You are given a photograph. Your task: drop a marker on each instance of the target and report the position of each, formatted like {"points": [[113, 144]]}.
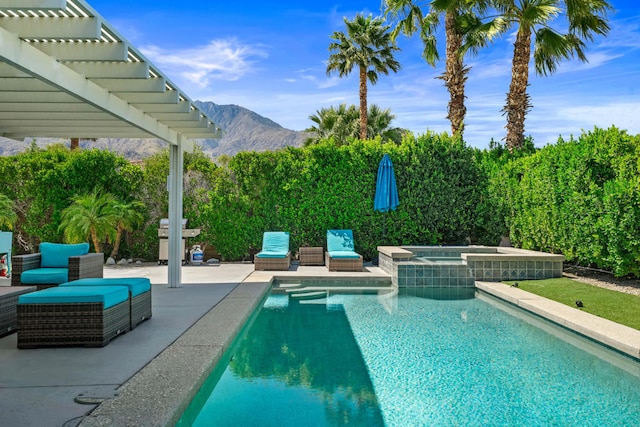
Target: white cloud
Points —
{"points": [[624, 115], [226, 60]]}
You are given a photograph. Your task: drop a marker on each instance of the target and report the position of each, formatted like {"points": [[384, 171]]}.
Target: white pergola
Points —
{"points": [[66, 72]]}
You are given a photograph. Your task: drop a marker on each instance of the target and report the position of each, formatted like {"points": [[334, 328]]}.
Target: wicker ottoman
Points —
{"points": [[311, 255], [8, 302], [139, 294], [88, 316]]}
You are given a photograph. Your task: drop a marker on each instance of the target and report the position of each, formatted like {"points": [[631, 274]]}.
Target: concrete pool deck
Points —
{"points": [[147, 376]]}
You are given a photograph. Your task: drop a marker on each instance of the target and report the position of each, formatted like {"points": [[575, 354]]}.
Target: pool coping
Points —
{"points": [[160, 392]]}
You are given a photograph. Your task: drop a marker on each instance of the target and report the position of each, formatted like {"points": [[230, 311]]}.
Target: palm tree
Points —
{"points": [[128, 216], [379, 124], [533, 19], [8, 216], [342, 123], [338, 124], [464, 32], [90, 216], [367, 45]]}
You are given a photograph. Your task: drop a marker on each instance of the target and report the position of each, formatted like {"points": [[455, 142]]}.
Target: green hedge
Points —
{"points": [[42, 183], [310, 190], [579, 198]]}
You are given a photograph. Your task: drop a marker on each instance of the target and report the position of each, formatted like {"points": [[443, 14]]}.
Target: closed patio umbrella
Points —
{"points": [[386, 198]]}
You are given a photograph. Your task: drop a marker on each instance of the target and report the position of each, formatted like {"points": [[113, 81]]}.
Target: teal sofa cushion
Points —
{"points": [[275, 244], [136, 285], [340, 241], [45, 276], [57, 254], [343, 254], [108, 295]]}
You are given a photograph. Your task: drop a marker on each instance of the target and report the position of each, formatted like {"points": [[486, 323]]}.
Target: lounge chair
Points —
{"points": [[56, 263], [341, 254], [275, 254]]}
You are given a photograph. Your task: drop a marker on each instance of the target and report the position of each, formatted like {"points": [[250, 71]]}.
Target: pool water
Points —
{"points": [[366, 360]]}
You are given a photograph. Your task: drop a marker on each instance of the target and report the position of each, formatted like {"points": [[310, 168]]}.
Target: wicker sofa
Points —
{"points": [[341, 254], [56, 263]]}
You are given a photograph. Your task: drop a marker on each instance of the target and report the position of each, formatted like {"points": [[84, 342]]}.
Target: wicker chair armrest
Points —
{"points": [[89, 265], [20, 263]]}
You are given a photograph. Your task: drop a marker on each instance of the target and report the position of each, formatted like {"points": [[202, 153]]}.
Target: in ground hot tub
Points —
{"points": [[461, 266]]}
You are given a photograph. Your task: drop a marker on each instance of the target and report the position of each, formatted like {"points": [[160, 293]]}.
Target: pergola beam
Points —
{"points": [[84, 51], [156, 84], [50, 28], [32, 4], [110, 70]]}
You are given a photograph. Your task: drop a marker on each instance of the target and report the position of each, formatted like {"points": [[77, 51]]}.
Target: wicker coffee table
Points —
{"points": [[312, 255]]}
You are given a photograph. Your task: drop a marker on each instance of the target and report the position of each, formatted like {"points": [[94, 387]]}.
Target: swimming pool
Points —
{"points": [[402, 361]]}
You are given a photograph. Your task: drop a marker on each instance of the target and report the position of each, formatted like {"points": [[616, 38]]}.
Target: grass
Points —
{"points": [[612, 305]]}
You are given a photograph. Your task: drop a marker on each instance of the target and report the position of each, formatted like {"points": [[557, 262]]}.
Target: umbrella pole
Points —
{"points": [[384, 224]]}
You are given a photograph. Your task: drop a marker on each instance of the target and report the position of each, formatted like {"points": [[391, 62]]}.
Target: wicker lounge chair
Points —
{"points": [[88, 316], [340, 254], [55, 263], [139, 294], [275, 254]]}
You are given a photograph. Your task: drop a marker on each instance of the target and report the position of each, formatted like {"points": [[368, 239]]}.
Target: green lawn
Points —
{"points": [[616, 306]]}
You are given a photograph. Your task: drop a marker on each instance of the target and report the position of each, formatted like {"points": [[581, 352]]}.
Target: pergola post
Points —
{"points": [[175, 215]]}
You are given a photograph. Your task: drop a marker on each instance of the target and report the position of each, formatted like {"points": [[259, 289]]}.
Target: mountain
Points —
{"points": [[243, 130]]}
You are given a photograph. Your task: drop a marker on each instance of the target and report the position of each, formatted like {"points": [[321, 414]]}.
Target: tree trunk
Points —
{"points": [[517, 99], [96, 242], [75, 143], [455, 75], [363, 103], [116, 243]]}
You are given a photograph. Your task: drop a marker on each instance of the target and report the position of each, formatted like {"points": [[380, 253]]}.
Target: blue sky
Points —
{"points": [[270, 57]]}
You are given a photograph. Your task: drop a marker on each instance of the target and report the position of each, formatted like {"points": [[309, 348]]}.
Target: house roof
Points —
{"points": [[66, 72]]}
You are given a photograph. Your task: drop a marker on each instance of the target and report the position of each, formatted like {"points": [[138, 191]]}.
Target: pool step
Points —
{"points": [[290, 285], [304, 295]]}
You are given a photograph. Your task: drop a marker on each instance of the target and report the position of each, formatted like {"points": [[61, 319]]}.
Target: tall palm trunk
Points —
{"points": [[363, 103], [517, 99], [455, 75]]}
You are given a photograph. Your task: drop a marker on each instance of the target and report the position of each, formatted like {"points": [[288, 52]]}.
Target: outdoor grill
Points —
{"points": [[163, 234]]}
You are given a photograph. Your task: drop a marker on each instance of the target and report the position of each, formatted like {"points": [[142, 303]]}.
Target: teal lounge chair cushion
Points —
{"points": [[136, 285], [340, 241], [108, 295], [57, 254], [44, 276], [275, 244], [343, 254]]}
